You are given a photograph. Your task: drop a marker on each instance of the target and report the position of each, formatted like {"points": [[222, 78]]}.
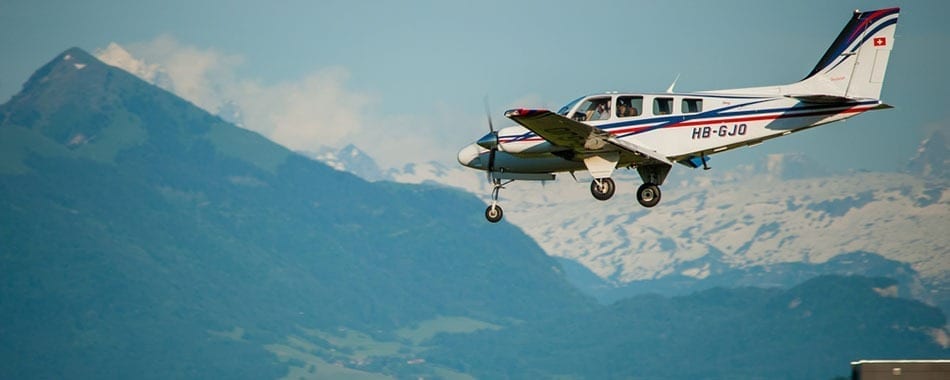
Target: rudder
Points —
{"points": [[855, 64]]}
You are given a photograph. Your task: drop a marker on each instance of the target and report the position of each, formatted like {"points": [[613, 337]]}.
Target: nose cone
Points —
{"points": [[470, 156], [488, 141]]}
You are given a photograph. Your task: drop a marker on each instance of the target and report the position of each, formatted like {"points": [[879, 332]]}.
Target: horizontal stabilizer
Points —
{"points": [[824, 99]]}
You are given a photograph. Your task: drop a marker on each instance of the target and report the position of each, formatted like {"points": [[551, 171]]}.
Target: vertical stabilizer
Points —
{"points": [[855, 64]]}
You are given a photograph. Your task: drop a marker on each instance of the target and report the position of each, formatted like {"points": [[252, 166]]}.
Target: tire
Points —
{"points": [[604, 190], [494, 213], [648, 195]]}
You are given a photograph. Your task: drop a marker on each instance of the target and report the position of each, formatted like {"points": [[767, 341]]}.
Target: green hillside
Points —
{"points": [[136, 227], [811, 331]]}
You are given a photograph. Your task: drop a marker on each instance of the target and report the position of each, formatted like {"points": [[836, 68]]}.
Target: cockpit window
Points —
{"points": [[567, 107], [593, 109], [629, 106]]}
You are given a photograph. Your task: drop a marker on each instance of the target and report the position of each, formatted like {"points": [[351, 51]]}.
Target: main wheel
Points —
{"points": [[602, 188], [493, 213], [648, 195]]}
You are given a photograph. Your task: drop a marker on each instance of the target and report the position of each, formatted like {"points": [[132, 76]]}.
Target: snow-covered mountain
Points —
{"points": [[438, 173], [352, 159], [769, 223], [784, 210], [349, 159]]}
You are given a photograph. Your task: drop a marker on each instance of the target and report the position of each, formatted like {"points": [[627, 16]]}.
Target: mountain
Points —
{"points": [[349, 159], [143, 237], [810, 331]]}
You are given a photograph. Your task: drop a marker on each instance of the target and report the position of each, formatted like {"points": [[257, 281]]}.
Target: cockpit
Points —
{"points": [[602, 107]]}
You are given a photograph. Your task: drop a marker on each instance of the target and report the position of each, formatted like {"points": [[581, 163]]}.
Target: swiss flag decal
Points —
{"points": [[880, 41]]}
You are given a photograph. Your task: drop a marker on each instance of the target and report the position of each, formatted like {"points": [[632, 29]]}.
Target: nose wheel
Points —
{"points": [[494, 213]]}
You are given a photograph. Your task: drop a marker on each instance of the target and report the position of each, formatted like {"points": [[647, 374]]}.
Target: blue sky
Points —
{"points": [[405, 81]]}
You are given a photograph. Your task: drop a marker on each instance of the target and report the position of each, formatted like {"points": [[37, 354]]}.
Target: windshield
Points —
{"points": [[567, 107]]}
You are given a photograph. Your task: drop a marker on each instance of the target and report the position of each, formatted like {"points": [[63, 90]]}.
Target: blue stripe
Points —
{"points": [[667, 121]]}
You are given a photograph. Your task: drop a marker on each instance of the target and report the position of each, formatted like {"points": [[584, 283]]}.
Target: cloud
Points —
{"points": [[204, 77], [317, 110]]}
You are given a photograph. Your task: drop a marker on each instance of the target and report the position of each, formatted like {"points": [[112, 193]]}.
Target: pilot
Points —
{"points": [[603, 110]]}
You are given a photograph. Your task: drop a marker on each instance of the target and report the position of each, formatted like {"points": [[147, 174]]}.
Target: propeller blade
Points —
{"points": [[491, 145], [491, 128]]}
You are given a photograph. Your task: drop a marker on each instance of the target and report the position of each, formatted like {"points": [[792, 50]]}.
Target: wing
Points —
{"points": [[583, 139]]}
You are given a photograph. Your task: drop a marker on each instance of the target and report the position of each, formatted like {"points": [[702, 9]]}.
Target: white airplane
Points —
{"points": [[651, 131]]}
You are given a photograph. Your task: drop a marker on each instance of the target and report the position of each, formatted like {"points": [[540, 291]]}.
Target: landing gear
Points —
{"points": [[494, 213], [602, 188], [648, 195]]}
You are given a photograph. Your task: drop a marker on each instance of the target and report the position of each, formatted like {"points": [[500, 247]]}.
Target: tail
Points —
{"points": [[854, 65]]}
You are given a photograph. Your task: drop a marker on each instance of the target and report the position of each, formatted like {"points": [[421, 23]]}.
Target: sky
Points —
{"points": [[407, 81]]}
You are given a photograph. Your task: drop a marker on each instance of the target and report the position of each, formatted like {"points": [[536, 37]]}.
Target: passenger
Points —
{"points": [[625, 111], [622, 110]]}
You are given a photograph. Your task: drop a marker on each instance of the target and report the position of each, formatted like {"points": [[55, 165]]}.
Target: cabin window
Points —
{"points": [[662, 106], [629, 106], [692, 105]]}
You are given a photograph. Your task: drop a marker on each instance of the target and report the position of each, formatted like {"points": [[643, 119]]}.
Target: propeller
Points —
{"points": [[490, 142]]}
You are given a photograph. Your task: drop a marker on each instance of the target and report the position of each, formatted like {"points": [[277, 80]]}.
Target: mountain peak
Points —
{"points": [[80, 106], [70, 61]]}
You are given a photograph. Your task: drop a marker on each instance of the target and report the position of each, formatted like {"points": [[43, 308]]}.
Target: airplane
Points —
{"points": [[650, 132]]}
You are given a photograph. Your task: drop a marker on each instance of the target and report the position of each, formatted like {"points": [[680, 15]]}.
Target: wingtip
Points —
{"points": [[523, 112]]}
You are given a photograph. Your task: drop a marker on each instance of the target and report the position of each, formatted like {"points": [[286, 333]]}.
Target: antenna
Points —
{"points": [[670, 89]]}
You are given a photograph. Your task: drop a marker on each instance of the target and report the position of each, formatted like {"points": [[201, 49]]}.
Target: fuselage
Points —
{"points": [[682, 126]]}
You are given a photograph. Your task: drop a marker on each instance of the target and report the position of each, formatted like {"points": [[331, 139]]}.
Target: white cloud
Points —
{"points": [[317, 110], [203, 77]]}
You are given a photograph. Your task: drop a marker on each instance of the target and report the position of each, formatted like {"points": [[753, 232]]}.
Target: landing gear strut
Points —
{"points": [[494, 213], [602, 188], [648, 195]]}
